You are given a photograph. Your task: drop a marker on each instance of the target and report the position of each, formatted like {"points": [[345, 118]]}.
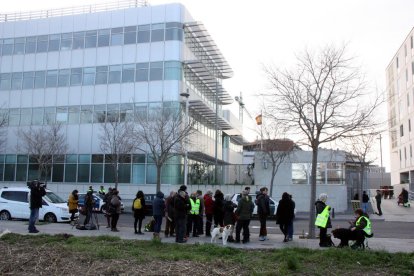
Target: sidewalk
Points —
{"points": [[275, 240]]}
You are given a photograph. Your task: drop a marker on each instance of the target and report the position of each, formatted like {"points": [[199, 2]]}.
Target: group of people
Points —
{"points": [[359, 229], [112, 207]]}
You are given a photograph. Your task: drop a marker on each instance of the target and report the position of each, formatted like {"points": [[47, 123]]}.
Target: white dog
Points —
{"points": [[223, 232]]}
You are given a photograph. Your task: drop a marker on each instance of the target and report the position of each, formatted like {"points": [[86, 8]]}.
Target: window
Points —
{"points": [[157, 32], [99, 114], [74, 114], [101, 75], [115, 74], [78, 40], [17, 81], [20, 196], [64, 76], [89, 75], [66, 41], [76, 76], [7, 48], [103, 38], [50, 115], [86, 114], [25, 116], [401, 130], [90, 39], [117, 38], [174, 31], [30, 45], [54, 42], [28, 80], [51, 78], [37, 116], [112, 113], [14, 117], [409, 125], [40, 79], [42, 43], [143, 34], [62, 114], [130, 35], [172, 70], [19, 46], [142, 72], [128, 73], [156, 71], [5, 81]]}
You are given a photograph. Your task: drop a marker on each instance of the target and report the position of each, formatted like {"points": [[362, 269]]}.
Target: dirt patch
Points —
{"points": [[23, 258]]}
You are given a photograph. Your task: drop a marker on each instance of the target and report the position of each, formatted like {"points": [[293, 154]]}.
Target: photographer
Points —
{"points": [[37, 191]]}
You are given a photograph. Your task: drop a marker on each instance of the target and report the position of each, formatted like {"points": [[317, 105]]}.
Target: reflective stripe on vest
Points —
{"points": [[322, 218], [195, 206], [367, 228]]}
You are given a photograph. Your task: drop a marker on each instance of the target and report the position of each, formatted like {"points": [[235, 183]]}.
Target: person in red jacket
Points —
{"points": [[208, 210]]}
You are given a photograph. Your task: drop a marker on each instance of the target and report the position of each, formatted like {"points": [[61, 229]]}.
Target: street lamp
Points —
{"points": [[186, 95]]}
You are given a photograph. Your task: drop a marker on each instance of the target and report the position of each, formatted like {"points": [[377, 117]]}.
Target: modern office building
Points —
{"points": [[78, 66], [400, 96]]}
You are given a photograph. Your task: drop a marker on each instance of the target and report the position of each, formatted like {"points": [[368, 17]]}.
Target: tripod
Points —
{"points": [[91, 221]]}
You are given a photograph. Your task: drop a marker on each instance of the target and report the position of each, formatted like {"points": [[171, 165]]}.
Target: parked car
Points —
{"points": [[14, 204], [99, 202], [273, 203]]}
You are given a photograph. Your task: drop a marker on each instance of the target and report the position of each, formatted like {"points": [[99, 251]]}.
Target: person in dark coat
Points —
{"points": [[285, 214], [218, 208], [320, 206], [115, 207], [208, 209], [181, 207], [37, 191], [139, 213], [158, 211], [229, 217], [291, 230], [365, 201], [107, 201], [244, 212], [169, 215], [404, 195], [263, 210], [378, 197], [89, 204]]}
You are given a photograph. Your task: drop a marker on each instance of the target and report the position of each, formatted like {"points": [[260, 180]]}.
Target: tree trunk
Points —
{"points": [[313, 193], [272, 180], [158, 188], [116, 175]]}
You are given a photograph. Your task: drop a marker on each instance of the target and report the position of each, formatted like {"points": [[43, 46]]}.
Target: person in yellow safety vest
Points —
{"points": [[192, 223], [361, 228], [102, 191], [323, 220]]}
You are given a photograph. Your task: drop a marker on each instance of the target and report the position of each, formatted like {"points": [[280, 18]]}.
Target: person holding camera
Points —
{"points": [[37, 191]]}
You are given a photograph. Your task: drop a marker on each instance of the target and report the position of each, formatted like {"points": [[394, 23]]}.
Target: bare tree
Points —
{"points": [[360, 146], [118, 142], [163, 130], [275, 149], [324, 98], [42, 143]]}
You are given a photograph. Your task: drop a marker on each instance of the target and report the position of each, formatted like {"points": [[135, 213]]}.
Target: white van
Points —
{"points": [[14, 203]]}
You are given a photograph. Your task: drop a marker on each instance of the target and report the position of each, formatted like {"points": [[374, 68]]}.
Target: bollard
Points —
{"points": [[333, 212]]}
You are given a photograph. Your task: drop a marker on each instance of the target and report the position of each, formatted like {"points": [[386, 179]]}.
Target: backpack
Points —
{"points": [[137, 204]]}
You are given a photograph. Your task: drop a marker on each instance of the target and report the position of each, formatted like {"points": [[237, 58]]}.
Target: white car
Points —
{"points": [[14, 204], [273, 204]]}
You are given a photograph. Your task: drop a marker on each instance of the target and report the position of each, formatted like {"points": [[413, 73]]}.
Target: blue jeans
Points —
{"points": [[158, 222], [290, 230], [365, 206], [34, 215]]}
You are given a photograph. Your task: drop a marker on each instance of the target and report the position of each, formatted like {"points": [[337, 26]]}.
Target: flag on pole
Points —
{"points": [[259, 119]]}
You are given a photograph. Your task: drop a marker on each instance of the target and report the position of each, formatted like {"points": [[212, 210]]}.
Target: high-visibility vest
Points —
{"points": [[195, 206], [367, 228], [322, 218]]}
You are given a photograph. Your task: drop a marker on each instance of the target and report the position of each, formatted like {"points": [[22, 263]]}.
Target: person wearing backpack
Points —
{"points": [[138, 209]]}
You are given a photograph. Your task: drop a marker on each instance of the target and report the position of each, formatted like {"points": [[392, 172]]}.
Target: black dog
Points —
{"points": [[345, 235]]}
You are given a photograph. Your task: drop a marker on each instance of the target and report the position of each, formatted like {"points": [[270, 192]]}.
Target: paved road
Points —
{"points": [[381, 228]]}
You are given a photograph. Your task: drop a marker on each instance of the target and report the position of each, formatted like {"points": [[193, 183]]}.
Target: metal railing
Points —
{"points": [[108, 6]]}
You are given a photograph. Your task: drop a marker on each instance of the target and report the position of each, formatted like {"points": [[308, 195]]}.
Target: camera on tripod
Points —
{"points": [[36, 184]]}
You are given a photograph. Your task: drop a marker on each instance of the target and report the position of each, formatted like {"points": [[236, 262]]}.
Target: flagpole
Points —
{"points": [[261, 131]]}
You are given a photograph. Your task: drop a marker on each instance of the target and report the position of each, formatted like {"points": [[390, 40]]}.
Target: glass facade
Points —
{"points": [[139, 72], [92, 39], [326, 173], [91, 168]]}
